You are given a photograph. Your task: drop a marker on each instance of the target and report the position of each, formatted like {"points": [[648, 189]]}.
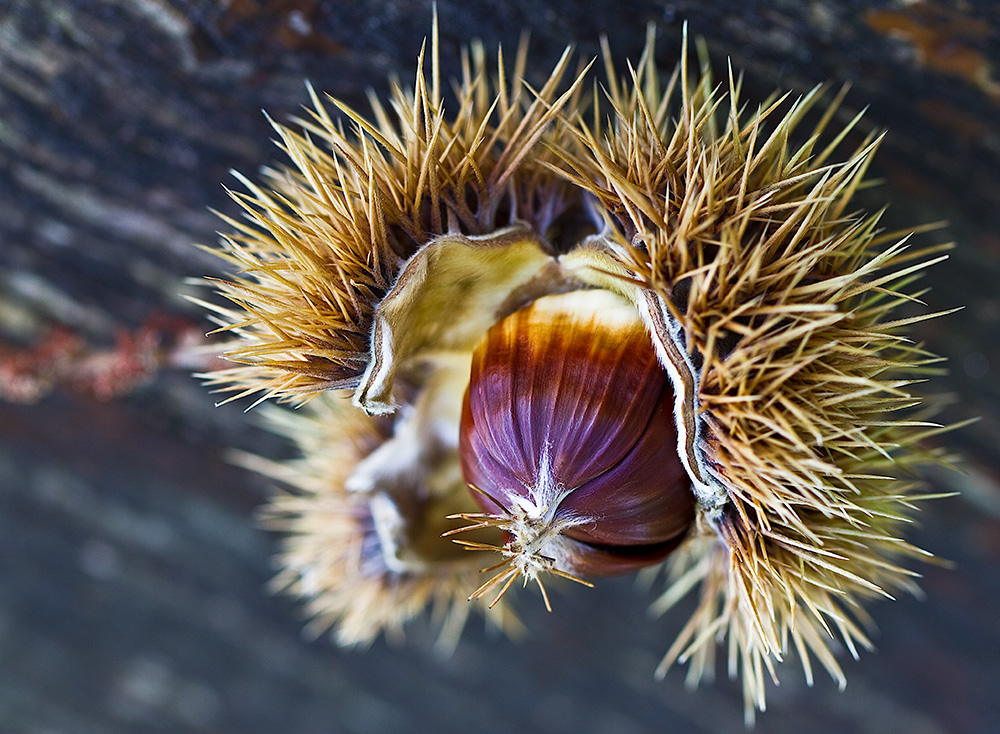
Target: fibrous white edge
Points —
{"points": [[595, 262]]}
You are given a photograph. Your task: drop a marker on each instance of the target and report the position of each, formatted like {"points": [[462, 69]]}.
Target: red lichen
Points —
{"points": [[62, 358]]}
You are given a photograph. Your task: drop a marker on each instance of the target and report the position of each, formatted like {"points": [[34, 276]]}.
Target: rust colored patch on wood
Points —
{"points": [[944, 40]]}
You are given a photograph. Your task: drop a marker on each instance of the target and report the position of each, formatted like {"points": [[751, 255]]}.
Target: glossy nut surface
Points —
{"points": [[568, 411]]}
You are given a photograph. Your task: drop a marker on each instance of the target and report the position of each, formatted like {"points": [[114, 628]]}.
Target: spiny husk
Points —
{"points": [[319, 250], [319, 246], [331, 557], [785, 295], [786, 301]]}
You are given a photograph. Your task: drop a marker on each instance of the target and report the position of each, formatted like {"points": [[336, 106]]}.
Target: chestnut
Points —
{"points": [[568, 440]]}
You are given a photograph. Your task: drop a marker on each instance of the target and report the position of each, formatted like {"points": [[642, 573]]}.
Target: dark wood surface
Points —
{"points": [[132, 573]]}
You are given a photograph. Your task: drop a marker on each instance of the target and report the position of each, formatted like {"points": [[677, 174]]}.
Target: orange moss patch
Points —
{"points": [[942, 39]]}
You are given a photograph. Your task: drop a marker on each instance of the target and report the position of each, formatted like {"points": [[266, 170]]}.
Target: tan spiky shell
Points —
{"points": [[331, 558], [316, 254], [784, 297], [324, 245], [769, 300]]}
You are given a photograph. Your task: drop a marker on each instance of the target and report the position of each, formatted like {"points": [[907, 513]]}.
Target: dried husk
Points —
{"points": [[382, 255]]}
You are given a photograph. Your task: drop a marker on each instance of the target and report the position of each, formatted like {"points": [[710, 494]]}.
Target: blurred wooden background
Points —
{"points": [[132, 574]]}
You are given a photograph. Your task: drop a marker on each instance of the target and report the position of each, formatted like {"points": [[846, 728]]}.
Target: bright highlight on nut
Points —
{"points": [[577, 333]]}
